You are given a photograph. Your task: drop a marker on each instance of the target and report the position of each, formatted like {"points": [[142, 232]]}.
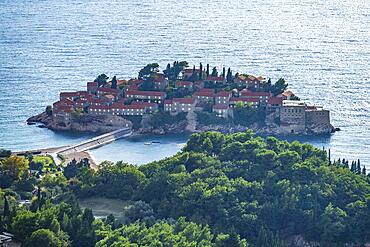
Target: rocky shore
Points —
{"points": [[81, 123], [101, 124]]}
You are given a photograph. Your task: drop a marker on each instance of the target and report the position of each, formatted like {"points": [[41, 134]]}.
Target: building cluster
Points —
{"points": [[129, 100]]}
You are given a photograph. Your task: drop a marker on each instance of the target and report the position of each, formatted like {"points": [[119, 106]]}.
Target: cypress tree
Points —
{"points": [[353, 167], [114, 82], [364, 170], [329, 157], [38, 198], [6, 211], [223, 72], [200, 71], [358, 170], [229, 76]]}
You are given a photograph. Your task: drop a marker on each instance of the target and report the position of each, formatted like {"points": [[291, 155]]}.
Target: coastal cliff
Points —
{"points": [[81, 123]]}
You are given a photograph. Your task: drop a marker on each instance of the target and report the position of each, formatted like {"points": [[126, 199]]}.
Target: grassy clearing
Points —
{"points": [[43, 159], [102, 207]]}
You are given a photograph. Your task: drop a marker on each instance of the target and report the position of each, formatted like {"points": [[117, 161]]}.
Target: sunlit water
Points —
{"points": [[321, 47]]}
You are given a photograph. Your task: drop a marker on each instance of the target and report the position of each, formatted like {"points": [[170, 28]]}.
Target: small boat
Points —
{"points": [[156, 142], [147, 143]]}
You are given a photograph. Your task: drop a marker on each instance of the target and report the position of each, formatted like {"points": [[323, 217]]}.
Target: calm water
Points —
{"points": [[322, 48]]}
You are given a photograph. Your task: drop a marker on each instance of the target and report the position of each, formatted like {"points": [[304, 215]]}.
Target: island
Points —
{"points": [[183, 99]]}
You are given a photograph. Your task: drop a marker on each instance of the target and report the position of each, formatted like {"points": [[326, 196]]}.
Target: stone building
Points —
{"points": [[293, 116]]}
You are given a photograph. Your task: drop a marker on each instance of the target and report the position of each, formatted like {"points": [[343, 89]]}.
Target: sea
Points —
{"points": [[320, 47]]}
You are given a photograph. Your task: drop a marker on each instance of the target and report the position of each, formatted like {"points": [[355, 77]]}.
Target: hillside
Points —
{"points": [[221, 190]]}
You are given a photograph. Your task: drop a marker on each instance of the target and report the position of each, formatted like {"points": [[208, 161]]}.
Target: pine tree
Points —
{"points": [[38, 198]]}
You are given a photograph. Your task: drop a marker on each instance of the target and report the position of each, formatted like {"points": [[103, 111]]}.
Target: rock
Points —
{"points": [[81, 123]]}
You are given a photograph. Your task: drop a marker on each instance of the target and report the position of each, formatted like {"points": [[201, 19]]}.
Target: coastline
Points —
{"points": [[46, 121]]}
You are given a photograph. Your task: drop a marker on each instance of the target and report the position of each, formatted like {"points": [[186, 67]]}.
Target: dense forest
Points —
{"points": [[220, 190]]}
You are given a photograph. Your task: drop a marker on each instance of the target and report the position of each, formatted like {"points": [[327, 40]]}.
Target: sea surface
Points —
{"points": [[321, 47]]}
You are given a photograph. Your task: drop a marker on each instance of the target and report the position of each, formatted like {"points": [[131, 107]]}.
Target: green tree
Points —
{"points": [[114, 82], [46, 238], [101, 80], [214, 72]]}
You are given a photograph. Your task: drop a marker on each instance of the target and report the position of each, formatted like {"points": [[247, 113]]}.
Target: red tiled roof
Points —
{"points": [[183, 100], [288, 93], [223, 94], [215, 78], [108, 90], [83, 93], [81, 101], [146, 93], [168, 102], [220, 107], [205, 92], [96, 101], [135, 81], [110, 96], [184, 83], [275, 101], [244, 99], [69, 94], [63, 103], [66, 109]]}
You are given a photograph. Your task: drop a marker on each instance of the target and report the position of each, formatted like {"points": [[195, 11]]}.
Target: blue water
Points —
{"points": [[321, 47]]}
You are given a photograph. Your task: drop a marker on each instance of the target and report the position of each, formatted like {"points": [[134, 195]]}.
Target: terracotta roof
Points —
{"points": [[96, 101], [80, 101], [108, 90], [220, 107], [184, 83], [66, 109], [223, 94], [205, 92], [168, 102], [110, 96], [69, 94], [288, 93], [146, 93], [135, 81], [64, 102], [275, 101], [183, 100], [215, 78]]}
